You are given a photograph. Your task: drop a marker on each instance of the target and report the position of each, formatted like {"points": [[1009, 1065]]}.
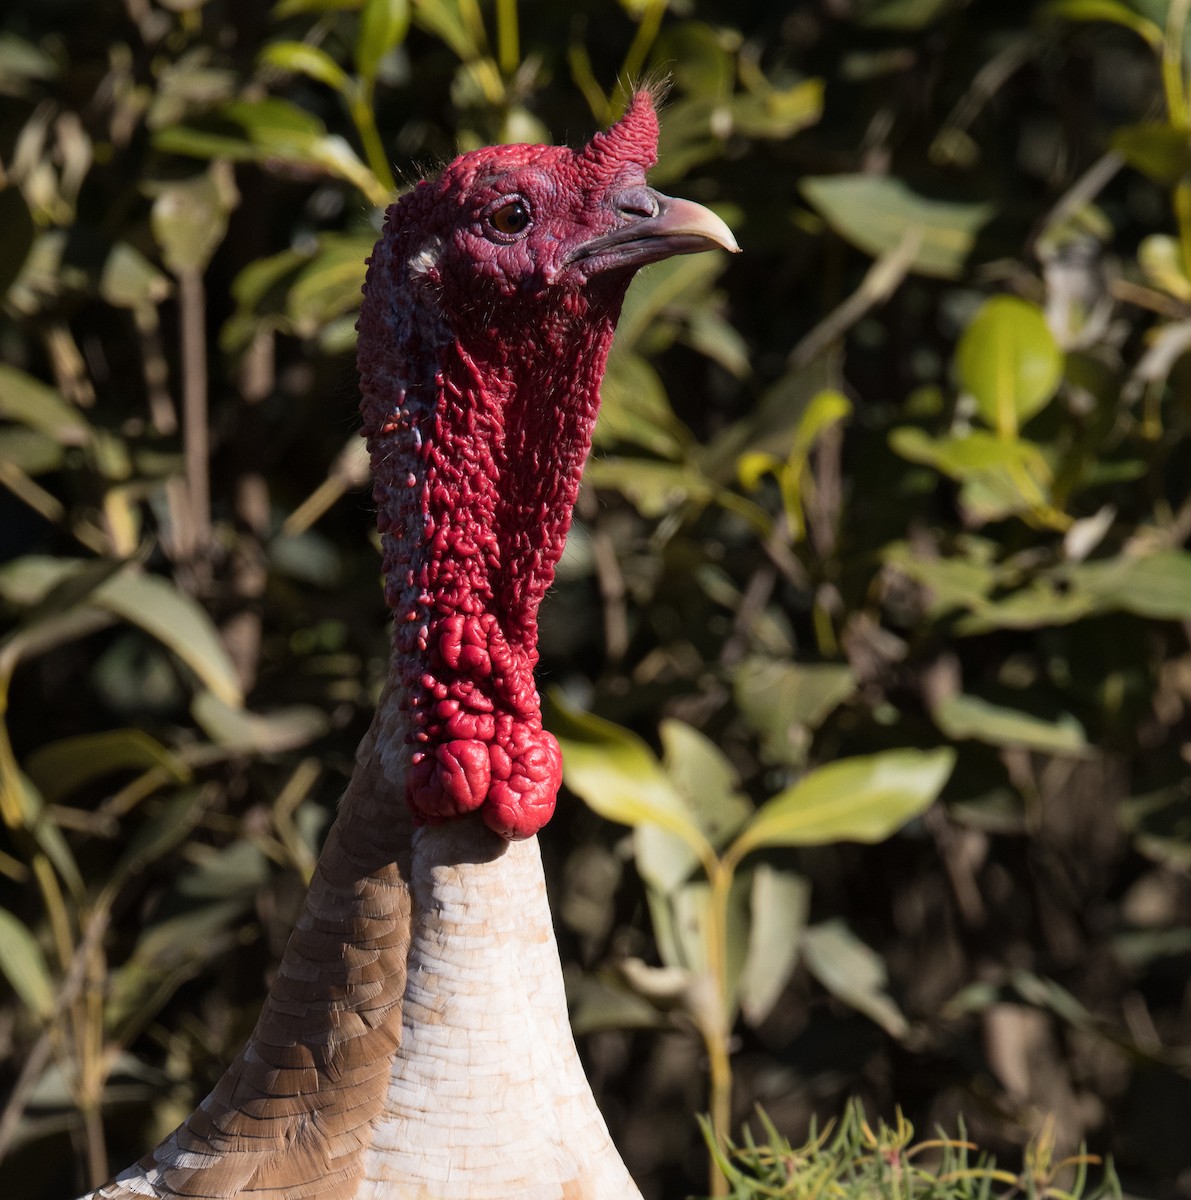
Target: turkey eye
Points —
{"points": [[511, 218]]}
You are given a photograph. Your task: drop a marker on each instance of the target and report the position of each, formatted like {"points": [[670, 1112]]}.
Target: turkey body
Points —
{"points": [[415, 1043]]}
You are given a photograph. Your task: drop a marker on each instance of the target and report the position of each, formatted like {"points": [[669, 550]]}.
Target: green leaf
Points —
{"points": [[148, 601], [300, 58], [22, 61], [383, 26], [130, 280], [1157, 149], [30, 402], [877, 212], [962, 581], [784, 700], [618, 776], [653, 488], [29, 451], [708, 786], [1009, 361], [176, 620], [1111, 11], [900, 14], [329, 285], [635, 409], [189, 218], [292, 8], [271, 131], [997, 725], [778, 112], [257, 733], [779, 904], [706, 780], [674, 285], [24, 966], [1157, 585], [852, 972], [1002, 475], [59, 768], [862, 799], [1160, 257], [445, 20]]}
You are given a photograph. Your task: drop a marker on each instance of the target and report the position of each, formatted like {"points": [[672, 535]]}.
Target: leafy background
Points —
{"points": [[904, 484]]}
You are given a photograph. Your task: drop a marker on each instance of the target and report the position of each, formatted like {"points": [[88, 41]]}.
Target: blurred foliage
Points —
{"points": [[905, 482]]}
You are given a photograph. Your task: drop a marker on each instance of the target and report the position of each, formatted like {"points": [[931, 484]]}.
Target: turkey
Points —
{"points": [[415, 1042]]}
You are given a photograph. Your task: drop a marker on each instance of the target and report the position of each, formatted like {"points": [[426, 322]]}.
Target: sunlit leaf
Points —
{"points": [[177, 621], [383, 26], [300, 58], [705, 778], [1111, 11], [960, 581], [130, 280], [708, 787], [291, 8], [963, 716], [24, 966], [58, 768], [779, 112], [30, 402], [1009, 361], [1160, 256], [1011, 472], [618, 775], [653, 488], [875, 212], [863, 799]]}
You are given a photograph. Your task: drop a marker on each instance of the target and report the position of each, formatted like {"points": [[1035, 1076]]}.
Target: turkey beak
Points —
{"points": [[656, 227]]}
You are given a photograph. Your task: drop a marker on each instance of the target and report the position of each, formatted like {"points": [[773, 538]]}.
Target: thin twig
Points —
{"points": [[880, 282]]}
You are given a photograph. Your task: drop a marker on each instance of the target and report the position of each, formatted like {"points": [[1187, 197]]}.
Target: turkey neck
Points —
{"points": [[477, 435], [477, 440]]}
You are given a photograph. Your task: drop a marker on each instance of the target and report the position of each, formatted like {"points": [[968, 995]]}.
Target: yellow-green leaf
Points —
{"points": [[857, 800], [1009, 361], [300, 58], [37, 405], [383, 26], [1110, 11], [618, 776], [998, 725], [24, 966], [189, 217], [60, 767]]}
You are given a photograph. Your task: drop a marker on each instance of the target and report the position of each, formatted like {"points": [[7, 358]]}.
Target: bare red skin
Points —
{"points": [[478, 415]]}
